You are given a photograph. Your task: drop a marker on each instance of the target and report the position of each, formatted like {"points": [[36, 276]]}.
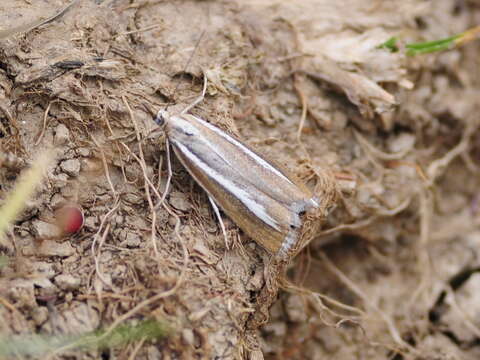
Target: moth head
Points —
{"points": [[161, 118]]}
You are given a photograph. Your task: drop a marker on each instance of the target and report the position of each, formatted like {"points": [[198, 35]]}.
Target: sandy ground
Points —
{"points": [[393, 274]]}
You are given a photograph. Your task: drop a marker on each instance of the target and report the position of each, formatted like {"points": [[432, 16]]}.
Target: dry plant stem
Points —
{"points": [[44, 126], [155, 191], [363, 223], [304, 267], [297, 79], [438, 167], [434, 171], [25, 187], [36, 23], [378, 153], [295, 290], [467, 159], [144, 303], [169, 175], [423, 259], [136, 349], [388, 321], [303, 99], [9, 306], [96, 251], [105, 166], [115, 207], [322, 309], [421, 174], [147, 183], [148, 28], [468, 321], [154, 298]]}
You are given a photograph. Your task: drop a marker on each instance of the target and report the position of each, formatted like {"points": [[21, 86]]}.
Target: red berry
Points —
{"points": [[70, 218]]}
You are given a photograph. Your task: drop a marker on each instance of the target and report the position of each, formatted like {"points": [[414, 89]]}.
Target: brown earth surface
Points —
{"points": [[394, 272]]}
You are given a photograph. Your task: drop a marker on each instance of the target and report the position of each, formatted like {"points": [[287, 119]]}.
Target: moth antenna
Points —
{"points": [[200, 98], [188, 63]]}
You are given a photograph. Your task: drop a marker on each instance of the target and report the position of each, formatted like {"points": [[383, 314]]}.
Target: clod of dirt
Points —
{"points": [[45, 230], [71, 167], [67, 282]]}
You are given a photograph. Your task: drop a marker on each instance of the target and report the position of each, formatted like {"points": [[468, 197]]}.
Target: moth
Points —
{"points": [[270, 205]]}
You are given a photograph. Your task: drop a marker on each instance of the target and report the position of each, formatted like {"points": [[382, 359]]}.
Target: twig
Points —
{"points": [[44, 126], [366, 300], [35, 24]]}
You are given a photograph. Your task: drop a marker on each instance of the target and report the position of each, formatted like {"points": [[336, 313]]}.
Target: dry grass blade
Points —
{"points": [[36, 23], [24, 189]]}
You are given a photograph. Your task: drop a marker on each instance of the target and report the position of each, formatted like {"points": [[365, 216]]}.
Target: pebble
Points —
{"points": [[188, 336], [40, 315], [67, 282], [44, 269], [57, 200], [62, 135], [45, 230], [71, 167], [132, 240], [53, 248]]}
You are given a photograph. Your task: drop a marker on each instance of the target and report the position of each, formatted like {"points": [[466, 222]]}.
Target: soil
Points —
{"points": [[394, 272]]}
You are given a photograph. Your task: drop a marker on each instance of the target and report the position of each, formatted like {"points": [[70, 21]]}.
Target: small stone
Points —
{"points": [[21, 292], [53, 248], [40, 315], [71, 167], [90, 222], [59, 180], [153, 353], [402, 142], [84, 152], [132, 240], [67, 282], [45, 230], [119, 219], [172, 221], [45, 285], [57, 200], [188, 336], [44, 269], [62, 135]]}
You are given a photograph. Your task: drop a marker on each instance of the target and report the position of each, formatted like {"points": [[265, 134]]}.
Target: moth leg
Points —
{"points": [[199, 99], [222, 225], [169, 174]]}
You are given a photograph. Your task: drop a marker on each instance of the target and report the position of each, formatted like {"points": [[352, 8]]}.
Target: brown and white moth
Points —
{"points": [[268, 204]]}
